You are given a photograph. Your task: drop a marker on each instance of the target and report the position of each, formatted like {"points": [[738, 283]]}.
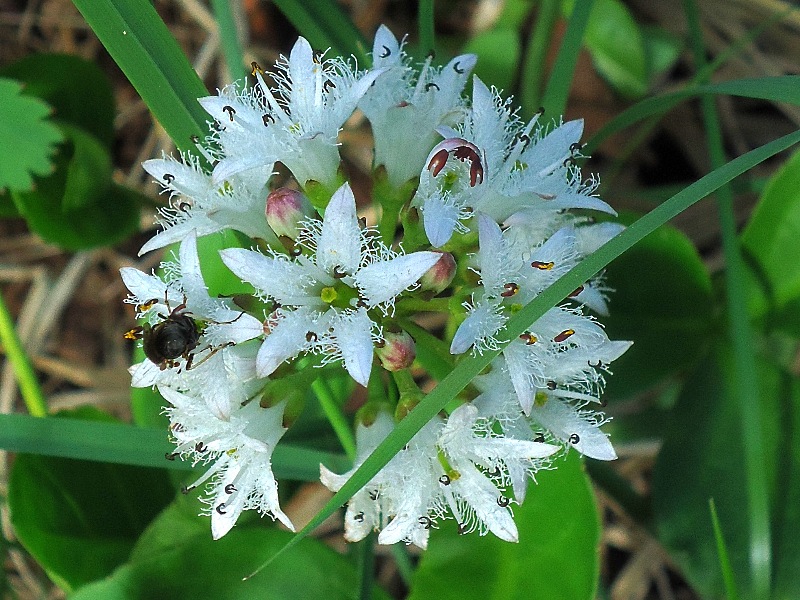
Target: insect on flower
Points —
{"points": [[174, 337]]}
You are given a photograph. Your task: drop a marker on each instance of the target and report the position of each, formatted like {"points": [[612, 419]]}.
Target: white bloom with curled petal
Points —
{"points": [[295, 123], [407, 104], [239, 450], [326, 292], [495, 164], [199, 204]]}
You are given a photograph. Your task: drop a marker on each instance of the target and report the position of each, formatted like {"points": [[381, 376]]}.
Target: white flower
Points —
{"points": [[199, 204], [327, 292], [296, 123], [183, 292], [494, 164], [240, 452], [458, 465], [405, 107]]}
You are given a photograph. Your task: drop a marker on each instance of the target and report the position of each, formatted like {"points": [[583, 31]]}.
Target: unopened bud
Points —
{"points": [[397, 351], [438, 277], [286, 208]]}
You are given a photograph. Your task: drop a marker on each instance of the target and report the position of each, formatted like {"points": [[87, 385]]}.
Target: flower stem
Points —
{"points": [[23, 370], [335, 416], [415, 305]]}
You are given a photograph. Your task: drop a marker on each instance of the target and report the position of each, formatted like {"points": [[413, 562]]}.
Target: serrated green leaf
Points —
{"points": [[24, 129], [79, 206], [662, 301], [176, 564], [559, 534], [772, 235], [77, 90], [80, 519]]}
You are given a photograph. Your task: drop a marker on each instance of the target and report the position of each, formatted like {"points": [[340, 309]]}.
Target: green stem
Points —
{"points": [[722, 552], [415, 305], [229, 38], [403, 561], [405, 382], [333, 411], [23, 369], [365, 560], [427, 40], [746, 384], [533, 65]]}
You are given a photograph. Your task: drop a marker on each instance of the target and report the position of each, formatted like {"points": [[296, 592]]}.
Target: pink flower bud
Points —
{"points": [[397, 350], [286, 208], [438, 277]]}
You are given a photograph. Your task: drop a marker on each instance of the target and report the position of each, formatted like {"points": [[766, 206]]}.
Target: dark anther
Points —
{"points": [[374, 495], [426, 522], [195, 139], [568, 162], [457, 68], [358, 517], [577, 291], [255, 68], [216, 125], [186, 489], [431, 85], [200, 447], [171, 455], [511, 289], [230, 110], [573, 148], [230, 488], [540, 112], [362, 303], [338, 273], [220, 508], [311, 336], [551, 385], [564, 335], [597, 366], [267, 119], [168, 177], [184, 206], [528, 338], [380, 344], [444, 480], [574, 438], [496, 473], [475, 168], [462, 528], [502, 501], [329, 84], [386, 52], [539, 439], [438, 162]]}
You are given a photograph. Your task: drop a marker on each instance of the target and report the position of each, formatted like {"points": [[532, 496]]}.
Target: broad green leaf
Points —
{"points": [[79, 206], [772, 237], [703, 457], [469, 368], [662, 301], [325, 25], [179, 564], [77, 90], [615, 43], [498, 53], [556, 557], [24, 129], [140, 43], [80, 519]]}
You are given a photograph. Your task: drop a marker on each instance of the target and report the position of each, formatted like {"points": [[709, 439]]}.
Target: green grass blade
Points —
{"points": [[229, 39], [777, 89], [130, 445], [325, 25], [471, 366], [557, 90], [722, 550], [23, 369], [742, 339], [427, 36], [151, 59]]}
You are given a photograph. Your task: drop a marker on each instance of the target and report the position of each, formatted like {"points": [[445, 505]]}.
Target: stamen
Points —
{"points": [[574, 438], [230, 110], [528, 338], [543, 266], [168, 177], [386, 52], [430, 85], [438, 162], [564, 335], [511, 289]]}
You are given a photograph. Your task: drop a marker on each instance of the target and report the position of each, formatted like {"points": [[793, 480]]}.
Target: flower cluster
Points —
{"points": [[477, 219]]}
